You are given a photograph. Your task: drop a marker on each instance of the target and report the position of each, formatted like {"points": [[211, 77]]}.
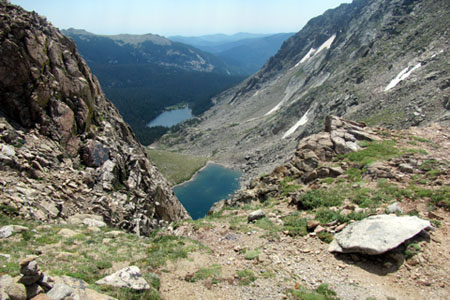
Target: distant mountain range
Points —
{"points": [[144, 49], [144, 74], [244, 53]]}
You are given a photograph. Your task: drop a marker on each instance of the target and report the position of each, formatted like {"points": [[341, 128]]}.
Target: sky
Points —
{"points": [[180, 17]]}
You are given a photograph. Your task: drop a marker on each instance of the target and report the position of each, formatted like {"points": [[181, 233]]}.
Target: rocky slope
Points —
{"points": [[64, 147], [271, 242], [384, 62]]}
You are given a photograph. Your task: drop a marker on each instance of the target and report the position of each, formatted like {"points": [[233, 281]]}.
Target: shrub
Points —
{"points": [[318, 198], [295, 225]]}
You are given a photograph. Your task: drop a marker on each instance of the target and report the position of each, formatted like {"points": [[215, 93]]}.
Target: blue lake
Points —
{"points": [[171, 117], [210, 185]]}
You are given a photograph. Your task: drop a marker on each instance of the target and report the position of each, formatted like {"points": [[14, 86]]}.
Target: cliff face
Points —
{"points": [[382, 62], [57, 128]]}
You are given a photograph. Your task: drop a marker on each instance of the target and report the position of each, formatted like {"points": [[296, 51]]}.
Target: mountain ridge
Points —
{"points": [[364, 47], [64, 148]]}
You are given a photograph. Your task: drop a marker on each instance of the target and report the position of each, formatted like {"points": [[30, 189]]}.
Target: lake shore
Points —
{"points": [[209, 162]]}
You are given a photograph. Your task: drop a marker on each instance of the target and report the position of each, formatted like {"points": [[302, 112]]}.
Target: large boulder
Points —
{"points": [[377, 234], [129, 277]]}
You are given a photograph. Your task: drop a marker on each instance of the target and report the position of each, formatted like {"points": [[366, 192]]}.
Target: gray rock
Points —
{"points": [[33, 290], [7, 150], [60, 291], [406, 168], [129, 277], [94, 154], [6, 231], [94, 223], [394, 208], [255, 215], [377, 234], [14, 290], [80, 289], [67, 233]]}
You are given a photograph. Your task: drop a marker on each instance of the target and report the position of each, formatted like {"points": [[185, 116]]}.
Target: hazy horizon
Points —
{"points": [[180, 17]]}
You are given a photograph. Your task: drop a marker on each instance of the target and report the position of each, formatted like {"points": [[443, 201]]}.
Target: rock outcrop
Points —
{"points": [[65, 149], [311, 160], [129, 277], [377, 234]]}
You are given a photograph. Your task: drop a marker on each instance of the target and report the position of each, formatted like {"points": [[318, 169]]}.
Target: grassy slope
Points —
{"points": [[176, 167]]}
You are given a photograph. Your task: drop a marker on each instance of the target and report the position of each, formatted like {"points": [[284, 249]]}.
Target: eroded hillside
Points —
{"points": [[384, 62]]}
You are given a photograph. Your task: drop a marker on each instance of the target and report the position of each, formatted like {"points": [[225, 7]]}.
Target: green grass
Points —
{"points": [[88, 257], [245, 277], [288, 187], [176, 167], [169, 247], [325, 237], [295, 225], [214, 272], [372, 152], [324, 215], [323, 292], [251, 254], [319, 198]]}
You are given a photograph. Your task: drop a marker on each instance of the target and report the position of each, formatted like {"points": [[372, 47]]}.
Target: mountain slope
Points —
{"points": [[214, 42], [144, 74], [245, 55], [64, 148], [384, 62]]}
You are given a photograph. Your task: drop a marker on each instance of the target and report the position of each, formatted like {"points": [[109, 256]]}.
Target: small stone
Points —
{"points": [[33, 290], [130, 277], [413, 261], [319, 229], [14, 290], [340, 227], [93, 223], [114, 234], [6, 232], [312, 224], [394, 208], [46, 282], [30, 268], [41, 297], [406, 168], [27, 260], [7, 150], [93, 229], [255, 215], [67, 233], [60, 291]]}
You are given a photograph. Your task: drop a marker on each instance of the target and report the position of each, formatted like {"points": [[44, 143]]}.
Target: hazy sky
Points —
{"points": [[184, 17]]}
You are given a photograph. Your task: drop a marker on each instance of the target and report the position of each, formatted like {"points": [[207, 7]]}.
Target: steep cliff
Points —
{"points": [[65, 149], [383, 62]]}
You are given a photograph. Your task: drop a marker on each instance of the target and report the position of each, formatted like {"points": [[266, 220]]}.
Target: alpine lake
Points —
{"points": [[211, 184]]}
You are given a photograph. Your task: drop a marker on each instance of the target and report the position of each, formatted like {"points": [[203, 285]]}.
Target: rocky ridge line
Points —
{"points": [[65, 149]]}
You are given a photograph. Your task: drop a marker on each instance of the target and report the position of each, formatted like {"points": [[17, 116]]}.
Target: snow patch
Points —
{"points": [[313, 52], [307, 56], [277, 107], [303, 120], [256, 94], [401, 76], [327, 44]]}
